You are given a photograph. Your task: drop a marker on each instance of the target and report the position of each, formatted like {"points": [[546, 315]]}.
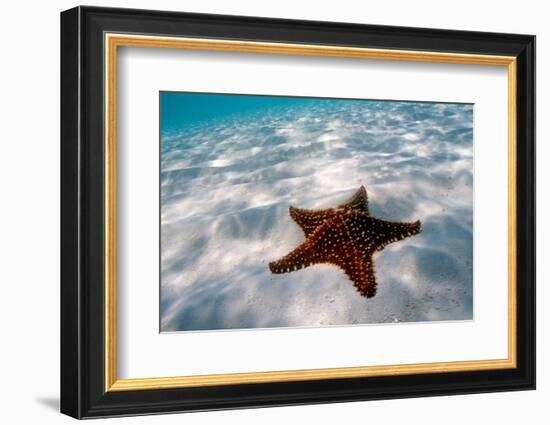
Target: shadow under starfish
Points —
{"points": [[346, 236]]}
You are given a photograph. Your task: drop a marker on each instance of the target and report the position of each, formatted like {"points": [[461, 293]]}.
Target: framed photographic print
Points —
{"points": [[261, 212]]}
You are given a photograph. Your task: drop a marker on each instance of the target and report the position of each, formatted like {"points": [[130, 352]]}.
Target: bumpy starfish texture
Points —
{"points": [[346, 236]]}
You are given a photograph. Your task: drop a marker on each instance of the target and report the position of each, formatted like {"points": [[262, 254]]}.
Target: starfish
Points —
{"points": [[346, 236]]}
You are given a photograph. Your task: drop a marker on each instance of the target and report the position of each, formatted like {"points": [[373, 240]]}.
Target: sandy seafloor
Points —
{"points": [[226, 186]]}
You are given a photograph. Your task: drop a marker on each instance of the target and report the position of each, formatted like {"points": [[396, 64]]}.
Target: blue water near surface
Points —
{"points": [[232, 165], [181, 110]]}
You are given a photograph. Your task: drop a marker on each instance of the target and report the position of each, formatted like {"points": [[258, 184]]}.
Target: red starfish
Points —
{"points": [[346, 236]]}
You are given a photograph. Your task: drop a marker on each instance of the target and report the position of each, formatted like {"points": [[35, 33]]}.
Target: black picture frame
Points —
{"points": [[83, 392]]}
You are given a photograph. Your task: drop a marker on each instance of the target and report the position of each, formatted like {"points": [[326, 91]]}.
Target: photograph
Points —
{"points": [[285, 211]]}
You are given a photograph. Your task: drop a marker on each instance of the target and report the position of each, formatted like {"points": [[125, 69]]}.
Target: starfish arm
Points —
{"points": [[302, 256], [314, 250], [359, 201], [309, 220], [361, 272], [389, 231]]}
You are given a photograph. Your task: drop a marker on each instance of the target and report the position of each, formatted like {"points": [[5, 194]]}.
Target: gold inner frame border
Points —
{"points": [[111, 43]]}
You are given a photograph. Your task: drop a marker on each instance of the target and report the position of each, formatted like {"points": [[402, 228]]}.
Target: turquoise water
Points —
{"points": [[182, 110]]}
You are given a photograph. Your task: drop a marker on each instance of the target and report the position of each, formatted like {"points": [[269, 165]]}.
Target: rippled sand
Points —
{"points": [[225, 191]]}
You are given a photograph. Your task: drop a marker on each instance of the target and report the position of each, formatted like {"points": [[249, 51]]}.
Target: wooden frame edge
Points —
{"points": [[137, 384]]}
